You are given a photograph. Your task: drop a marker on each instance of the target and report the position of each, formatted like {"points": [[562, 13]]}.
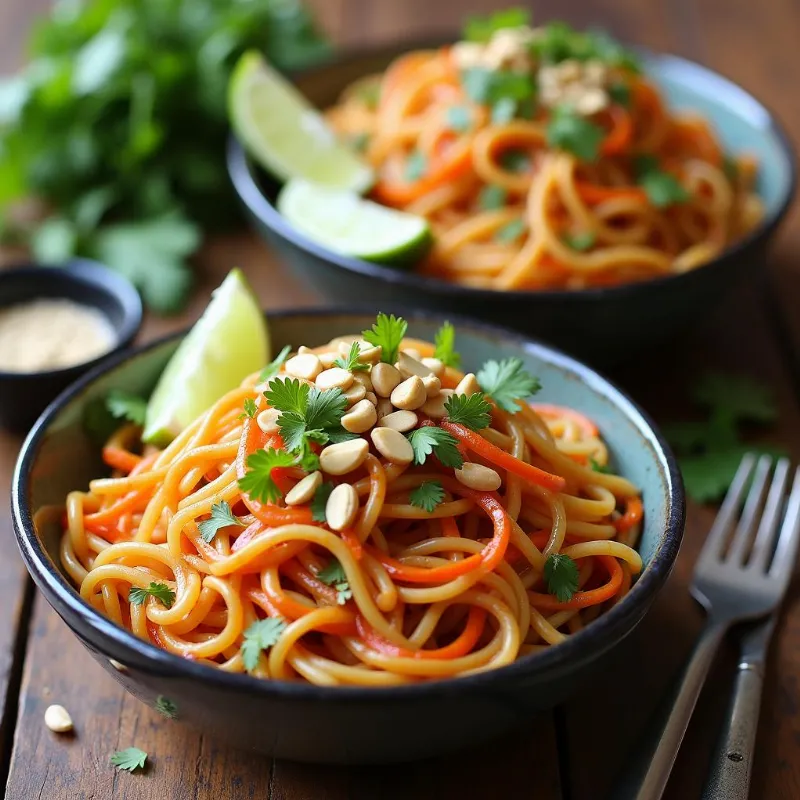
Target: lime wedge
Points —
{"points": [[285, 133], [226, 344], [346, 223]]}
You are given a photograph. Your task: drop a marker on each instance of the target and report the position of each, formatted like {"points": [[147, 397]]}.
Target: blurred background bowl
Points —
{"points": [[24, 395], [602, 325]]}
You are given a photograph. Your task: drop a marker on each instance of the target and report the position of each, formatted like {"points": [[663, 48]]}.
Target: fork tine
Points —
{"points": [[786, 550], [715, 541], [764, 544], [751, 512]]}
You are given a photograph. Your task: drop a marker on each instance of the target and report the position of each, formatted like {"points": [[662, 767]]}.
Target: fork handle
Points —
{"points": [[730, 769], [649, 772]]}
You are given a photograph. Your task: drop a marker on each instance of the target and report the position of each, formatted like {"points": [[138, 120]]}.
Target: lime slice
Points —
{"points": [[227, 343], [346, 223], [285, 133]]}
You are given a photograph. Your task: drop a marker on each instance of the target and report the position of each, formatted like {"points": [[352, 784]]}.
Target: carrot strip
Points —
{"points": [[549, 411], [118, 458], [633, 514], [618, 139], [593, 193]]}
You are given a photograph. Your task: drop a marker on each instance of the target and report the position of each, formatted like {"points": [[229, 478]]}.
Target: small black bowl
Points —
{"points": [[24, 395], [602, 325]]}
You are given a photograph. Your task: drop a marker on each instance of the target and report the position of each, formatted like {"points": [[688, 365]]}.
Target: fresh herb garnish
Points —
{"points": [[568, 130], [129, 759], [598, 467], [221, 517], [319, 502], [160, 591], [730, 167], [559, 41], [333, 574], [387, 332], [416, 166], [257, 481], [351, 363], [427, 495], [124, 405], [472, 411], [166, 707], [507, 382], [250, 409], [620, 93], [441, 443], [459, 119], [662, 188], [579, 241], [369, 93], [511, 231], [515, 161], [492, 197], [504, 110], [561, 576], [260, 636], [490, 87], [445, 346], [481, 29], [274, 366]]}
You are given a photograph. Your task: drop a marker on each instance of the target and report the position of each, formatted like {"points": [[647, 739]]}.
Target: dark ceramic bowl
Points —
{"points": [[24, 395], [345, 724], [601, 324]]}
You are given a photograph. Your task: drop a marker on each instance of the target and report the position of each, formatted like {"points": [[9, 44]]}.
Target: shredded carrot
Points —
{"points": [[120, 459], [633, 514], [550, 411]]}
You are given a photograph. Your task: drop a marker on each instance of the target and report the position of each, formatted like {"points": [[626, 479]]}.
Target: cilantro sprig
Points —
{"points": [[559, 41], [568, 130], [387, 332], [482, 28], [250, 408], [432, 440], [506, 92], [507, 382], [561, 576], [160, 591], [257, 481], [259, 637], [274, 366], [333, 574], [351, 362], [445, 346], [129, 759], [124, 405], [662, 188], [221, 517], [320, 501], [427, 495], [580, 242], [471, 411]]}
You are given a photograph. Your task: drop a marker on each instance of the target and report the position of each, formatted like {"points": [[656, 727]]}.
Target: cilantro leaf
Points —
{"points": [[459, 119], [513, 160], [289, 396], [333, 574], [568, 130], [561, 576], [504, 110], [430, 439], [707, 476], [559, 41], [507, 382], [387, 332], [730, 167], [250, 408], [620, 93], [257, 481], [160, 591], [427, 495], [124, 405], [351, 363], [598, 467], [260, 636], [489, 87], [416, 166], [320, 501], [492, 197], [661, 188], [274, 366], [325, 408], [481, 29], [736, 397], [579, 241], [445, 342], [129, 759], [511, 232], [221, 517], [471, 411]]}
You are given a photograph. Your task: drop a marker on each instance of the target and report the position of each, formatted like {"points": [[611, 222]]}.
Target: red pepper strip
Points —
{"points": [[281, 605], [592, 597], [487, 560], [460, 646], [504, 460]]}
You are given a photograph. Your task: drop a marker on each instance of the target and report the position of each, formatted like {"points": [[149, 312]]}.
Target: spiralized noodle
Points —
{"points": [[431, 595], [551, 194]]}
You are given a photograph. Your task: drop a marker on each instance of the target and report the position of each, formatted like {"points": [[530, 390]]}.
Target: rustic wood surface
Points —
{"points": [[575, 752]]}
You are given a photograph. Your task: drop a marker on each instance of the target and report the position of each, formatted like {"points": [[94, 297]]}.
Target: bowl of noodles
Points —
{"points": [[368, 533], [596, 197]]}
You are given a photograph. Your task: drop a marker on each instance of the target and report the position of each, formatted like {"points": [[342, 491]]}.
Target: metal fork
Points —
{"points": [[741, 575]]}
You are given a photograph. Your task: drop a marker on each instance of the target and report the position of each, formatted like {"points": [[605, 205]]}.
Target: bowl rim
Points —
{"points": [[243, 177], [588, 644], [82, 272]]}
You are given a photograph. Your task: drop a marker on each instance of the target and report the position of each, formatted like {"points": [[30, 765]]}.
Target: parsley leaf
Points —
{"points": [[506, 382], [124, 405], [274, 366], [481, 29], [160, 591], [351, 363], [250, 408], [445, 341], [459, 119], [579, 241], [662, 188], [130, 759], [333, 574], [260, 636], [568, 130], [320, 501], [736, 397], [561, 576], [441, 443], [257, 481], [511, 232], [427, 495], [492, 197], [416, 166], [471, 411], [221, 517], [387, 332]]}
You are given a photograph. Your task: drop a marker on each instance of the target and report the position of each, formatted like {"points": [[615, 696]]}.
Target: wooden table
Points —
{"points": [[575, 751]]}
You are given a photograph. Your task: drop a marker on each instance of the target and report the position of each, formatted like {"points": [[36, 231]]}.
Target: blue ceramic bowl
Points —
{"points": [[346, 725], [24, 395], [600, 324]]}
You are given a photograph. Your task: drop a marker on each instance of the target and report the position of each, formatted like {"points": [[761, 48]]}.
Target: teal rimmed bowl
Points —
{"points": [[603, 325], [347, 724]]}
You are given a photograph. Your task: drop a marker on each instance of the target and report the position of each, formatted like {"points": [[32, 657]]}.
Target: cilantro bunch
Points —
{"points": [[118, 125]]}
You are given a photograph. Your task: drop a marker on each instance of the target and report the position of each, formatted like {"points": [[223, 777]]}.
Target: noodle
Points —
{"points": [[506, 206], [419, 595]]}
